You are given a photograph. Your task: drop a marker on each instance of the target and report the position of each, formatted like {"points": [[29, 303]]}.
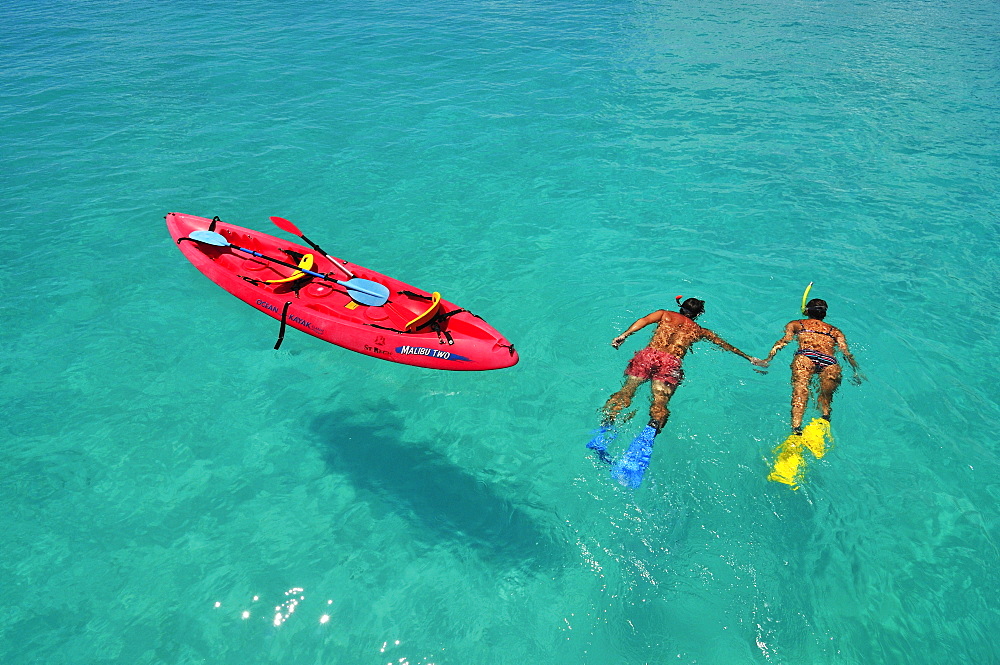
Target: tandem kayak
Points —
{"points": [[337, 301]]}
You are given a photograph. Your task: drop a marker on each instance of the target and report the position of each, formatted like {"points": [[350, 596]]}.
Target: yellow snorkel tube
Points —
{"points": [[805, 294]]}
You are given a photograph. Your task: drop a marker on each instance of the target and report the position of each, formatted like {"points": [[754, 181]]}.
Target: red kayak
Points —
{"points": [[337, 301]]}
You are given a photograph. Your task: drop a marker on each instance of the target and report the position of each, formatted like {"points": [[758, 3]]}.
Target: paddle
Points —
{"points": [[285, 225], [363, 291]]}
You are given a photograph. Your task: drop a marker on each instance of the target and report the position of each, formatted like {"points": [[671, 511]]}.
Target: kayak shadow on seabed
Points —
{"points": [[439, 497]]}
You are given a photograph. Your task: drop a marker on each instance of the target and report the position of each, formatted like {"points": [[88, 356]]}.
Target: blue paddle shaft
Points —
{"points": [[377, 293], [280, 263], [351, 285]]}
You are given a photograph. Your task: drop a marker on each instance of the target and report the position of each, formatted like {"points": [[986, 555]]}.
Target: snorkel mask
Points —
{"points": [[691, 308]]}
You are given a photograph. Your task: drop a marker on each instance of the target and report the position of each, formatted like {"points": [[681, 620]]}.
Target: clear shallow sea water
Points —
{"points": [[172, 488]]}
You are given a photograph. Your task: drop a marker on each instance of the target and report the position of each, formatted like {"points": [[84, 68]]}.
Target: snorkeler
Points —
{"points": [[817, 342], [660, 361]]}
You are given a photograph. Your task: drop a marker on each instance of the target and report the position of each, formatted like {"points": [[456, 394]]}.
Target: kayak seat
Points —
{"points": [[426, 315], [306, 263]]}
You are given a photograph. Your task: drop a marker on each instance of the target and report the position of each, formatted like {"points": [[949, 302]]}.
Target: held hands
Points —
{"points": [[617, 341], [858, 378], [757, 362]]}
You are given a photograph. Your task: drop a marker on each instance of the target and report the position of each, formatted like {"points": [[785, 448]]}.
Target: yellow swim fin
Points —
{"points": [[815, 435], [789, 464]]}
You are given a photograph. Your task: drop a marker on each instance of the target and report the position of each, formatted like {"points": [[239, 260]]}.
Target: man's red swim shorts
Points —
{"points": [[656, 365]]}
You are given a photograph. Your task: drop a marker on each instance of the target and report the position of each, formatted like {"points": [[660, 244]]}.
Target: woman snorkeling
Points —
{"points": [[818, 340]]}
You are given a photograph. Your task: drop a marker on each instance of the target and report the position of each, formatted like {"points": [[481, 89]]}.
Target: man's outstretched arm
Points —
{"points": [[718, 341], [638, 325]]}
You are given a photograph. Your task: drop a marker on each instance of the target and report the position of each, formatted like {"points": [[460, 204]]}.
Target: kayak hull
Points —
{"points": [[454, 339]]}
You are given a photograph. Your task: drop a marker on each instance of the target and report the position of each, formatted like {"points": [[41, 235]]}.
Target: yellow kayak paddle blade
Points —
{"points": [[789, 464]]}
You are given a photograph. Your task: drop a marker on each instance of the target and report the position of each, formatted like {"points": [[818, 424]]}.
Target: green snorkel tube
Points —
{"points": [[805, 294]]}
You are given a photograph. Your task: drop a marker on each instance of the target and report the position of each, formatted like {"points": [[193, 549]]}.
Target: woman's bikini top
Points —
{"points": [[818, 332]]}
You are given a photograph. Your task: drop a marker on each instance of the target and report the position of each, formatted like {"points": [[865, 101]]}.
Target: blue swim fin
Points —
{"points": [[603, 437], [631, 467]]}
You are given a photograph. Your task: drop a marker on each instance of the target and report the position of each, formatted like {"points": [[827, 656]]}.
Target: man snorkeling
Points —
{"points": [[660, 361], [818, 340]]}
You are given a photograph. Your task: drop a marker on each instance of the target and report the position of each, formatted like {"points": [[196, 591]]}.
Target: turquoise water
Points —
{"points": [[174, 491]]}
